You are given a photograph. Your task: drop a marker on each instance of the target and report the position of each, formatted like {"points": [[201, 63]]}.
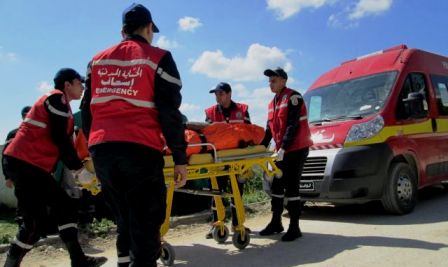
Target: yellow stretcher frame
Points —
{"points": [[231, 163]]}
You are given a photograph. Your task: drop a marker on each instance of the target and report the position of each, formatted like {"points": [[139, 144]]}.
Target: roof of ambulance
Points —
{"points": [[377, 62]]}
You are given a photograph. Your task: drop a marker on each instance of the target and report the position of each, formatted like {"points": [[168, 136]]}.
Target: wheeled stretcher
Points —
{"points": [[231, 163]]}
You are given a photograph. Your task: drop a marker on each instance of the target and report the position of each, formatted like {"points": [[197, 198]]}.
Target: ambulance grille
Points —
{"points": [[314, 168]]}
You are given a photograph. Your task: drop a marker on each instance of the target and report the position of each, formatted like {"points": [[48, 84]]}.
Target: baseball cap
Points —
{"points": [[277, 72], [223, 87], [66, 75], [25, 111], [137, 15]]}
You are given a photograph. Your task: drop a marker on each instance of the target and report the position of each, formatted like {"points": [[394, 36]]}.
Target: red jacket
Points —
{"points": [[237, 115], [122, 104], [277, 120], [33, 142]]}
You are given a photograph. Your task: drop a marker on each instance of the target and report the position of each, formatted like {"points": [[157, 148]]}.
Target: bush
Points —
{"points": [[253, 188], [99, 228]]}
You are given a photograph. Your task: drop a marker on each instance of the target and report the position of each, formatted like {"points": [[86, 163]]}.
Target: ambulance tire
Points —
{"points": [[400, 192], [167, 254]]}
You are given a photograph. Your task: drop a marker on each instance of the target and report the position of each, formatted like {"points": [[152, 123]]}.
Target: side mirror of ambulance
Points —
{"points": [[415, 103]]}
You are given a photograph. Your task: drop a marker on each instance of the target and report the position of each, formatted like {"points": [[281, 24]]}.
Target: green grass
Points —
{"points": [[99, 228], [8, 227], [253, 188]]}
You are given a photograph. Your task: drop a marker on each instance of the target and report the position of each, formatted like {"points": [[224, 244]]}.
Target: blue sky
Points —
{"points": [[211, 41]]}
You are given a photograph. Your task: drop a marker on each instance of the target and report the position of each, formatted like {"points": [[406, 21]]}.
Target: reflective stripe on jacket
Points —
{"points": [[277, 120], [237, 115], [122, 104], [33, 142]]}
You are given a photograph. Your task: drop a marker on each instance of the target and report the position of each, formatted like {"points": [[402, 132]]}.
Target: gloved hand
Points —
{"points": [[280, 154]]}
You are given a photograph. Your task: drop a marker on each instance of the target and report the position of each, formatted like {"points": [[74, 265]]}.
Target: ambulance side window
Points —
{"points": [[414, 83], [440, 85]]}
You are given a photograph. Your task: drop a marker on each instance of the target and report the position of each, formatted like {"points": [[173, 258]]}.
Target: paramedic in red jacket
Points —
{"points": [[133, 102], [288, 126], [43, 138], [229, 112]]}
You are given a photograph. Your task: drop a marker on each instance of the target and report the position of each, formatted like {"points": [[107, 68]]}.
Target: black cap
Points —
{"points": [[223, 87], [277, 72], [137, 15], [66, 75], [25, 111]]}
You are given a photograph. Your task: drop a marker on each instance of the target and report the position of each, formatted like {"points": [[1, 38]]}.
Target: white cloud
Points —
{"points": [[6, 56], [189, 24], [215, 64], [186, 107], [44, 87], [240, 90], [258, 101], [287, 8], [370, 7], [354, 11], [164, 43]]}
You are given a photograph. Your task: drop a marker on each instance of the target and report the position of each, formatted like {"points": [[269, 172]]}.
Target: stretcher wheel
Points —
{"points": [[219, 235], [238, 241], [167, 254]]}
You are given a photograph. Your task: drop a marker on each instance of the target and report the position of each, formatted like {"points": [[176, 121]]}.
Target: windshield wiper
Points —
{"points": [[344, 117], [320, 121], [338, 118]]}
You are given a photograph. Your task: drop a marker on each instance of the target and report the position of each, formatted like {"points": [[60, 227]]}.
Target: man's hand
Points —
{"points": [[280, 154], [9, 183], [180, 175]]}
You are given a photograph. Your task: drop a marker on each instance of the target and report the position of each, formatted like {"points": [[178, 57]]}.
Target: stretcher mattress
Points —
{"points": [[204, 158]]}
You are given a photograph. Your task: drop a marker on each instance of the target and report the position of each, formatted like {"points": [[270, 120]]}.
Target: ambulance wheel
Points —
{"points": [[167, 254], [221, 236], [400, 192], [238, 241]]}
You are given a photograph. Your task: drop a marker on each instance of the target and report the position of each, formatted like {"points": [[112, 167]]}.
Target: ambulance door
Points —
{"points": [[418, 128], [440, 86]]}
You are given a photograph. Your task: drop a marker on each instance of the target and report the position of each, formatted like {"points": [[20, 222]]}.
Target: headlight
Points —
{"points": [[365, 130]]}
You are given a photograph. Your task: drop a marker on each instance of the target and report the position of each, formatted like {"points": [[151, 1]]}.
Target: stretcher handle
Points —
{"points": [[215, 154]]}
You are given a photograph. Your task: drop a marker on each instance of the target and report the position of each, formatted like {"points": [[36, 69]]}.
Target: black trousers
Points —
{"points": [[36, 190], [288, 185], [132, 180]]}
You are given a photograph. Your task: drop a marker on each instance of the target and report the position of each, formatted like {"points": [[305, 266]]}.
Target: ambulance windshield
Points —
{"points": [[352, 99]]}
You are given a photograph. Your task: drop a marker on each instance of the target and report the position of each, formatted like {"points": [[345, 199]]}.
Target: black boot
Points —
{"points": [[292, 234], [293, 230], [272, 228], [15, 256], [275, 226], [12, 262], [89, 261]]}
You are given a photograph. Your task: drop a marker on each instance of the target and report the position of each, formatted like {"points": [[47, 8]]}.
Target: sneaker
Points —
{"points": [[292, 234], [90, 261], [272, 228], [209, 234]]}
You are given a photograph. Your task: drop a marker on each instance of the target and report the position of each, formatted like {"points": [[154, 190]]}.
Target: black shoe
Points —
{"points": [[209, 234], [292, 234], [272, 228], [89, 261]]}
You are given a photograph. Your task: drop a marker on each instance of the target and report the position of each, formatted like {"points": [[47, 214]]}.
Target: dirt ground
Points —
{"points": [[355, 235], [53, 253]]}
